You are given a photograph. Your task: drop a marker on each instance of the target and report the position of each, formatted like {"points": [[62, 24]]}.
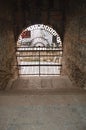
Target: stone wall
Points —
{"points": [[27, 13], [7, 46], [75, 43], [7, 53]]}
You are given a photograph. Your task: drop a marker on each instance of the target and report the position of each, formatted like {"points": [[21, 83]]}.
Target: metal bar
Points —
{"points": [[40, 74], [40, 65], [39, 61], [42, 48], [36, 50], [38, 55], [38, 47]]}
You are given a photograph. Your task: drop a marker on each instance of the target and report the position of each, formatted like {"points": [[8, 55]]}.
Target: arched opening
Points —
{"points": [[39, 51]]}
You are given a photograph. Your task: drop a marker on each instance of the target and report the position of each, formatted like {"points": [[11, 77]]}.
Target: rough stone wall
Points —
{"points": [[48, 12], [75, 42], [7, 51]]}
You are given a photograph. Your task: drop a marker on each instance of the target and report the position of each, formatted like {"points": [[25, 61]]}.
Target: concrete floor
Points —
{"points": [[54, 110]]}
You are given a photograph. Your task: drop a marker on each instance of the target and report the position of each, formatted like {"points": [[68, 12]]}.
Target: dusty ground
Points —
{"points": [[42, 109]]}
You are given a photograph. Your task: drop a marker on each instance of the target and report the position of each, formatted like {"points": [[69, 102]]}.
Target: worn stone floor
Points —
{"points": [[41, 82], [56, 109]]}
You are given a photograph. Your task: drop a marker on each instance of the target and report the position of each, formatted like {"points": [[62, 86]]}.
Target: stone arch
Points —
{"points": [[39, 51]]}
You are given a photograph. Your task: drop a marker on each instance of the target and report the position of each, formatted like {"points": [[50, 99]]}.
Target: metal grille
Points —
{"points": [[39, 61]]}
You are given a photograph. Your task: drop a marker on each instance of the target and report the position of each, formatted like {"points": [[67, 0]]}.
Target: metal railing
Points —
{"points": [[39, 60]]}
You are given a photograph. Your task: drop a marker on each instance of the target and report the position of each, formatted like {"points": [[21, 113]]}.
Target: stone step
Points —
{"points": [[59, 91]]}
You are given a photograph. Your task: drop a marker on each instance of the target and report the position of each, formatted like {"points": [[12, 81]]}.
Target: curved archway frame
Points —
{"points": [[44, 58], [43, 27]]}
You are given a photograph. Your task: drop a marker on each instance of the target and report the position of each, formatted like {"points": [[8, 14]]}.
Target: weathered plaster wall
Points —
{"points": [[74, 63]]}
